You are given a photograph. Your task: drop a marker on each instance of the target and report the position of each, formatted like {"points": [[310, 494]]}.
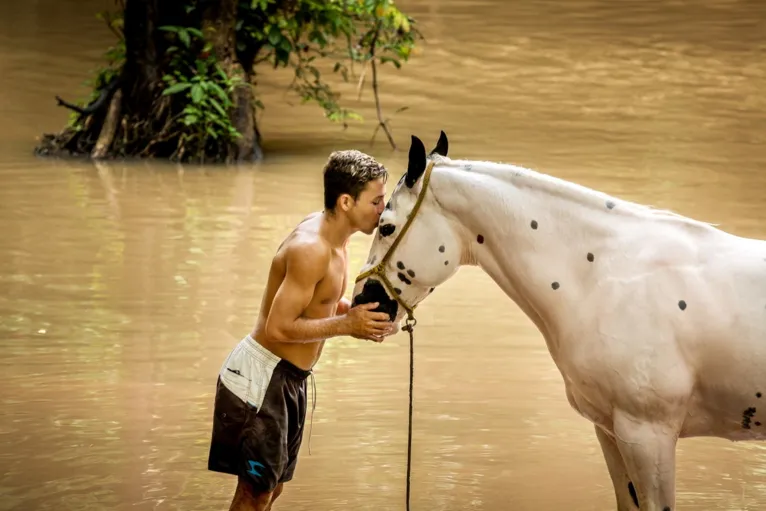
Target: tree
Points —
{"points": [[181, 81]]}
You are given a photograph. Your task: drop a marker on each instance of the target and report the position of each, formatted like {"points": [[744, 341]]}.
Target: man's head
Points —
{"points": [[355, 186]]}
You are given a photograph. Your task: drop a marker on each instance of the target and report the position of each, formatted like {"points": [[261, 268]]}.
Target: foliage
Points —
{"points": [[192, 108], [302, 33], [206, 90]]}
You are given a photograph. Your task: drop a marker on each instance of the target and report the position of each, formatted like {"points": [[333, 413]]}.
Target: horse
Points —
{"points": [[655, 321]]}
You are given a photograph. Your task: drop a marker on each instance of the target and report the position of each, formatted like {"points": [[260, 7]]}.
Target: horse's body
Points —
{"points": [[656, 322]]}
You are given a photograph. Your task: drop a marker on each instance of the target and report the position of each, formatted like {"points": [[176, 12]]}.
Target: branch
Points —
{"points": [[95, 106], [381, 122]]}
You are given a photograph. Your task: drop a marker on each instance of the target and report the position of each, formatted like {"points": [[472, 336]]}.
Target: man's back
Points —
{"points": [[303, 247]]}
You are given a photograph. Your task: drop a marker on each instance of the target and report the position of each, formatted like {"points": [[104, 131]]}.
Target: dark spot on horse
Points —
{"points": [[411, 273], [446, 263], [747, 415], [590, 257], [757, 423], [468, 167], [610, 204], [403, 278], [666, 508], [397, 291], [682, 305], [400, 265], [758, 395], [441, 248], [633, 495], [373, 259], [534, 224], [386, 229], [431, 290], [388, 205], [480, 238], [555, 285]]}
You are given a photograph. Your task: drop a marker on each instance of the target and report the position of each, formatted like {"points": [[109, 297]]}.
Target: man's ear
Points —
{"points": [[346, 202]]}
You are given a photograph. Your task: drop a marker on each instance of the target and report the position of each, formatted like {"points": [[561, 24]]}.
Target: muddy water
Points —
{"points": [[124, 286]]}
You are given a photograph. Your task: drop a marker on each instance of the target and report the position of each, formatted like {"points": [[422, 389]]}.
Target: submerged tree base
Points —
{"points": [[105, 132]]}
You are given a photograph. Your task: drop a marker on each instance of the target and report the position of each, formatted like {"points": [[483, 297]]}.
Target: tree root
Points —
{"points": [[109, 127]]}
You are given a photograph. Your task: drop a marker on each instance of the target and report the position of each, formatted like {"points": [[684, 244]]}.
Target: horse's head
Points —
{"points": [[416, 247]]}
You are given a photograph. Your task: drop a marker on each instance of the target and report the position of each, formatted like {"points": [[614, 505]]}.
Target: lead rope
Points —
{"points": [[409, 328], [313, 406]]}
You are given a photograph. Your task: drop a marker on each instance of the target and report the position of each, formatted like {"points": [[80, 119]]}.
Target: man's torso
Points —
{"points": [[323, 303]]}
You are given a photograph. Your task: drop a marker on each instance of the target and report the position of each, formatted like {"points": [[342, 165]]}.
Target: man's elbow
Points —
{"points": [[343, 306], [276, 332]]}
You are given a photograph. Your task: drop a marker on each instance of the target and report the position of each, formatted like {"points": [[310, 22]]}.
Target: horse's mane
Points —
{"points": [[508, 172]]}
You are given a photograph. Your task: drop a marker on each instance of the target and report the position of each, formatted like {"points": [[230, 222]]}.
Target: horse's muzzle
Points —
{"points": [[373, 291]]}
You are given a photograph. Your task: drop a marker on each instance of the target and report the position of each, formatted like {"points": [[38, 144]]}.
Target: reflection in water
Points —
{"points": [[125, 285]]}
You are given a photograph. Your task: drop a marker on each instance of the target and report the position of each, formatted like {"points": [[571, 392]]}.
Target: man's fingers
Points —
{"points": [[381, 326]]}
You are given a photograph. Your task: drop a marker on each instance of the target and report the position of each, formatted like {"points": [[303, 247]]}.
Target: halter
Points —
{"points": [[379, 270]]}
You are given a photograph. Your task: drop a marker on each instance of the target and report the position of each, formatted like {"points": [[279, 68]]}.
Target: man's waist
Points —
{"points": [[282, 362]]}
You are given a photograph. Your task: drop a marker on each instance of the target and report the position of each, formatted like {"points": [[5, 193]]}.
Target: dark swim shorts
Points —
{"points": [[259, 412]]}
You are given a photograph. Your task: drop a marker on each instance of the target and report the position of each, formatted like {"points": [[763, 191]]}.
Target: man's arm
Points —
{"points": [[306, 264]]}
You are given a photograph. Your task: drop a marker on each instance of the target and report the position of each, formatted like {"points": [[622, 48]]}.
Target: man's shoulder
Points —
{"points": [[307, 250]]}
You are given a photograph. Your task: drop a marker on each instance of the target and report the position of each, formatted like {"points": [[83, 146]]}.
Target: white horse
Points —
{"points": [[656, 322]]}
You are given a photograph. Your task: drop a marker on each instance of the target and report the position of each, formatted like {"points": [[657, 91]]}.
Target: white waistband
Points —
{"points": [[258, 351]]}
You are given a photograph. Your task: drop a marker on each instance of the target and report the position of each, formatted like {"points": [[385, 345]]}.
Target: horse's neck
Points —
{"points": [[537, 233]]}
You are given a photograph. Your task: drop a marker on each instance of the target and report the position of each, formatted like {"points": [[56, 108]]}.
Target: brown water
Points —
{"points": [[125, 286]]}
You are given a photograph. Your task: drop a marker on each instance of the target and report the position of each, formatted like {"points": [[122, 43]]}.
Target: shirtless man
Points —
{"points": [[260, 401]]}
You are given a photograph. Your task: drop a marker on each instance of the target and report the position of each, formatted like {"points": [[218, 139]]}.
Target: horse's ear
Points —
{"points": [[417, 162], [442, 146]]}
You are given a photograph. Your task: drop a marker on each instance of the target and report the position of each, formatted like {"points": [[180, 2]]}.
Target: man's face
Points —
{"points": [[368, 208]]}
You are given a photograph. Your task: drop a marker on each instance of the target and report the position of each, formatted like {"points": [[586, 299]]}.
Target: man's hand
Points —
{"points": [[365, 324]]}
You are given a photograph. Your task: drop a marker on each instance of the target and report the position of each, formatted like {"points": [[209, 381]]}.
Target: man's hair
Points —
{"points": [[349, 172]]}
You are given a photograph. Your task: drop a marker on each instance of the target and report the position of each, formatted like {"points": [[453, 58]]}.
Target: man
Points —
{"points": [[260, 402]]}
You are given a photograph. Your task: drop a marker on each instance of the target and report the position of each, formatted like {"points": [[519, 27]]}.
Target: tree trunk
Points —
{"points": [[219, 25], [140, 72]]}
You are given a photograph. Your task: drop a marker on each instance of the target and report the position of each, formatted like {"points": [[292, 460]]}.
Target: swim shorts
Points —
{"points": [[258, 417]]}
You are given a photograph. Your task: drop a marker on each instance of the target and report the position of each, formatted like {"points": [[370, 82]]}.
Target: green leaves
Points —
{"points": [[184, 33], [195, 74], [197, 93], [176, 87], [294, 34]]}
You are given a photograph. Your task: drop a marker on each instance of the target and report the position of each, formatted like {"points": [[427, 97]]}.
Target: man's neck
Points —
{"points": [[336, 229]]}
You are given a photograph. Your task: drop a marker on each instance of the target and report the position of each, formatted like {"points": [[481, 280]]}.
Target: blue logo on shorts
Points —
{"points": [[252, 470]]}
